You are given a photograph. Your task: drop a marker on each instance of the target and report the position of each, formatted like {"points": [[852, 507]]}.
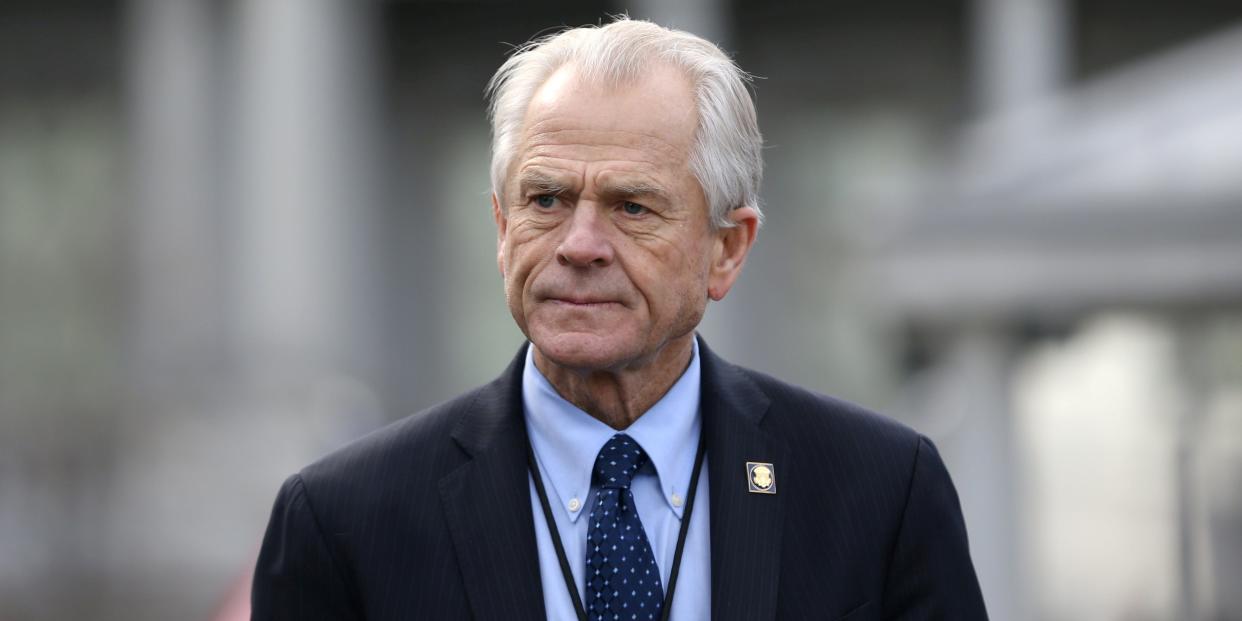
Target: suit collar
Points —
{"points": [[745, 527], [567, 440], [495, 411], [488, 508], [487, 504]]}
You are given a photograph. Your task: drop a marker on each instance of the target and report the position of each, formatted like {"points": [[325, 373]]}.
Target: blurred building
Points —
{"points": [[234, 235]]}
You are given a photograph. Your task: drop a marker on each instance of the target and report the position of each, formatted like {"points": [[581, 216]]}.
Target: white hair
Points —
{"points": [[727, 156]]}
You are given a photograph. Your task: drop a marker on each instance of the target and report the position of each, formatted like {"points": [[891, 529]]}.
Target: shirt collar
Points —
{"points": [[566, 439]]}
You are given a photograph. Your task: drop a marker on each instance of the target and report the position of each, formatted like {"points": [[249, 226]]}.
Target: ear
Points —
{"points": [[729, 251], [502, 227]]}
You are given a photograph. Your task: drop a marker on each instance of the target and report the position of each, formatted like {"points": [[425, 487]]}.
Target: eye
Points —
{"points": [[545, 201], [633, 209]]}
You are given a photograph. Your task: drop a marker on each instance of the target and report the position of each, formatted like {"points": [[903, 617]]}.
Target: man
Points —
{"points": [[618, 468]]}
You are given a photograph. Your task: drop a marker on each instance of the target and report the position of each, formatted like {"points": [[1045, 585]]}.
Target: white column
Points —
{"points": [[709, 19], [304, 191], [1021, 50], [971, 405], [175, 225]]}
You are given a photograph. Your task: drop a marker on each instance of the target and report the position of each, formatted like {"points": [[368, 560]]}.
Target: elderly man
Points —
{"points": [[618, 469]]}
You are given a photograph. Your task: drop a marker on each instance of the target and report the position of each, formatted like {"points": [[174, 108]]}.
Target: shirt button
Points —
{"points": [[677, 500], [574, 505]]}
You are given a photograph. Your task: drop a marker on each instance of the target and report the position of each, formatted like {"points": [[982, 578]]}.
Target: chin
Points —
{"points": [[582, 351]]}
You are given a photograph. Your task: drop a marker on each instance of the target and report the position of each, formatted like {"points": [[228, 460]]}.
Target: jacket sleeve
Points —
{"points": [[930, 574], [296, 576]]}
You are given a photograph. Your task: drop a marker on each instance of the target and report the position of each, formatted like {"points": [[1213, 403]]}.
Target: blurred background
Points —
{"points": [[237, 234]]}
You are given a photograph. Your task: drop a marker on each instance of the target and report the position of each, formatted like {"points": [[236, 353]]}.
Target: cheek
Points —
{"points": [[676, 283], [694, 295], [515, 274], [522, 260]]}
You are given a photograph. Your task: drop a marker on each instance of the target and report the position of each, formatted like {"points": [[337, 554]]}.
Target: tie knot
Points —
{"points": [[618, 461]]}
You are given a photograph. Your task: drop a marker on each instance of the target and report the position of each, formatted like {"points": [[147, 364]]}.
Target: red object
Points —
{"points": [[235, 606]]}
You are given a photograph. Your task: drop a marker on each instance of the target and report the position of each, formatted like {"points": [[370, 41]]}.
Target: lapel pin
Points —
{"points": [[761, 477]]}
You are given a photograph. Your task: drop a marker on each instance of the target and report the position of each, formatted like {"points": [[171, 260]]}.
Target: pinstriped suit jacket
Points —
{"points": [[429, 518]]}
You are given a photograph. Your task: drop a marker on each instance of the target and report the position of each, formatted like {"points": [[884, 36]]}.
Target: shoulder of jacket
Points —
{"points": [[797, 410], [420, 442]]}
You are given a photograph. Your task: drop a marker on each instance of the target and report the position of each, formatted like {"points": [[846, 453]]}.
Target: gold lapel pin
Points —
{"points": [[761, 477]]}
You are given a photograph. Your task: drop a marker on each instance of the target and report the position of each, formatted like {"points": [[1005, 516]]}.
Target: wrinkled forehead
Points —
{"points": [[658, 101]]}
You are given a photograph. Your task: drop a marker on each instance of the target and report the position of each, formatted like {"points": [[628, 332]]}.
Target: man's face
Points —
{"points": [[604, 238]]}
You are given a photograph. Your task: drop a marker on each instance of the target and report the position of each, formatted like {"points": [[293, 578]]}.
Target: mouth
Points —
{"points": [[581, 302]]}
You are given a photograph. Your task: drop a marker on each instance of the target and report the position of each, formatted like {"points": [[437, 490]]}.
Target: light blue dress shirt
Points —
{"points": [[566, 440]]}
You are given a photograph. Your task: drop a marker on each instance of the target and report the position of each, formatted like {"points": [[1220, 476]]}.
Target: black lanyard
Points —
{"points": [[568, 573]]}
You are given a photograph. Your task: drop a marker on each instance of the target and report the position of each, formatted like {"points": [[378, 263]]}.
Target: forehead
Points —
{"points": [[653, 111]]}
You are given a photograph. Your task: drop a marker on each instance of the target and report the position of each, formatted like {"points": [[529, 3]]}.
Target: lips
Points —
{"points": [[581, 301], [588, 294], [577, 298]]}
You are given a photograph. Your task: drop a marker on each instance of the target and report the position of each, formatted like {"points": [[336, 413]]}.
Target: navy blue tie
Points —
{"points": [[623, 581]]}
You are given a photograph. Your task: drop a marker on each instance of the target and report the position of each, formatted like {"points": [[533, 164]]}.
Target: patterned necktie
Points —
{"points": [[623, 581]]}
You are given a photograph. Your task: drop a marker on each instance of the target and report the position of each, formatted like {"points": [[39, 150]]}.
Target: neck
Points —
{"points": [[617, 397]]}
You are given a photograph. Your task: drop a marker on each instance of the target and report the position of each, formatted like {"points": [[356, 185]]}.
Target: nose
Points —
{"points": [[586, 242]]}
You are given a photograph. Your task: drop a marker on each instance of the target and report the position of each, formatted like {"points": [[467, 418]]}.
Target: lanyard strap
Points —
{"points": [[568, 574]]}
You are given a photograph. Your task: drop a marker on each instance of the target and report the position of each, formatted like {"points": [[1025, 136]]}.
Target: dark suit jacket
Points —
{"points": [[430, 517]]}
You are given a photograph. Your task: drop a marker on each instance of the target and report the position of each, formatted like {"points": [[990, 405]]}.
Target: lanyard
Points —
{"points": [[568, 574]]}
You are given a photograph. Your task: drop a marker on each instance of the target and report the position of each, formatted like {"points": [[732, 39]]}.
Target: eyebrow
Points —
{"points": [[538, 181], [635, 188], [626, 184], [534, 180]]}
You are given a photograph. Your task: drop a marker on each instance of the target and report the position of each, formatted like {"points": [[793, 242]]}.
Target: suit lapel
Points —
{"points": [[488, 508], [487, 505], [745, 527]]}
